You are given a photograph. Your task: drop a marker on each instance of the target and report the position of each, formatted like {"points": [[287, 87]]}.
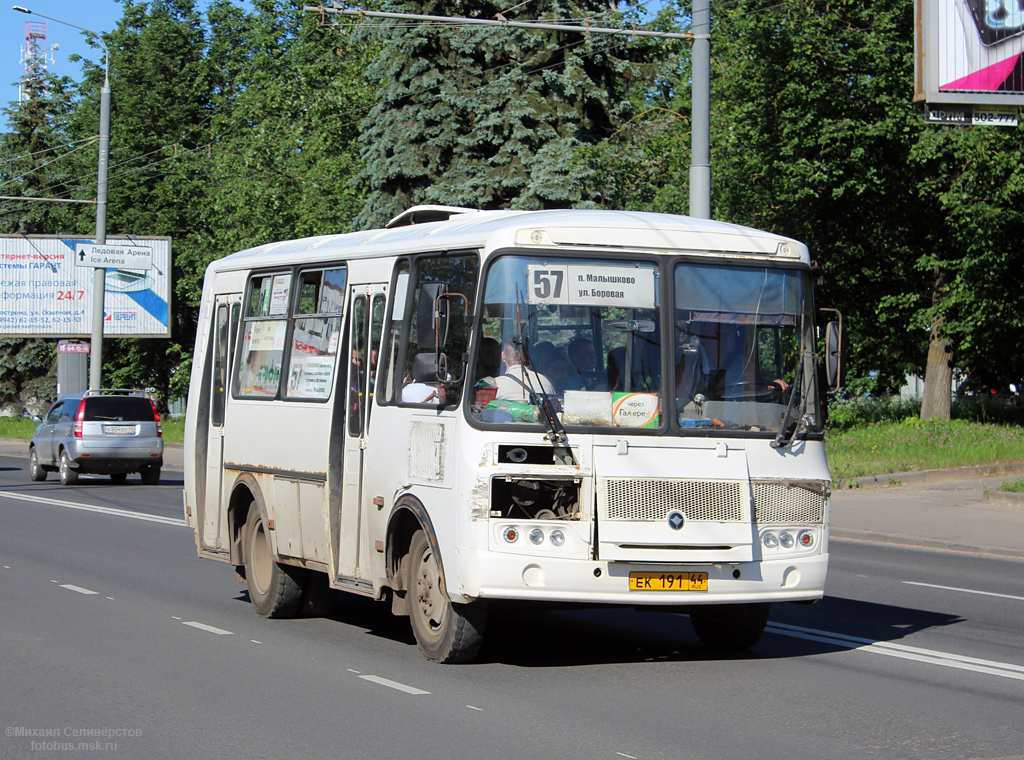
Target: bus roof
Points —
{"points": [[567, 229]]}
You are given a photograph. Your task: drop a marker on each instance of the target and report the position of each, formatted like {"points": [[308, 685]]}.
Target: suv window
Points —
{"points": [[54, 414], [105, 408]]}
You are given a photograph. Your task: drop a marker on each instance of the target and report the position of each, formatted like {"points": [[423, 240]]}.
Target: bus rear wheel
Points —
{"points": [[275, 590], [445, 631], [730, 627]]}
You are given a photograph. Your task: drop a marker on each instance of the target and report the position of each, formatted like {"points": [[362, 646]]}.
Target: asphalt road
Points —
{"points": [[118, 641]]}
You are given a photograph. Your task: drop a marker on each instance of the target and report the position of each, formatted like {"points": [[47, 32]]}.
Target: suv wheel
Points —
{"points": [[68, 476], [151, 476], [35, 470]]}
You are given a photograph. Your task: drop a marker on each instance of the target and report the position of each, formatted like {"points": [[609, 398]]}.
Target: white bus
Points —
{"points": [[574, 406]]}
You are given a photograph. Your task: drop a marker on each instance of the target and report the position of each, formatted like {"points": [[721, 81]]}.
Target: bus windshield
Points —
{"points": [[590, 341]]}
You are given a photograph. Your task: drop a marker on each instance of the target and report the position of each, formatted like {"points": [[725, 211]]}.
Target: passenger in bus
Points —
{"points": [[514, 384], [616, 361], [583, 359], [420, 384], [488, 363]]}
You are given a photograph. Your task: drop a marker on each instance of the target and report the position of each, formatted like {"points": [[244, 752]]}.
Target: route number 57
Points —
{"points": [[547, 284]]}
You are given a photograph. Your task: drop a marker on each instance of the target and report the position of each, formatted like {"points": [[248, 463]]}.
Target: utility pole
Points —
{"points": [[99, 277], [700, 35], [700, 124]]}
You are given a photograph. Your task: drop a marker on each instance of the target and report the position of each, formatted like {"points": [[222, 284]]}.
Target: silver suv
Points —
{"points": [[112, 432]]}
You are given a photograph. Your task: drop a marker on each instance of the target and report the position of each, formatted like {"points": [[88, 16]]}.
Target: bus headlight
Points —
{"points": [[557, 538], [770, 540], [536, 536], [787, 540]]}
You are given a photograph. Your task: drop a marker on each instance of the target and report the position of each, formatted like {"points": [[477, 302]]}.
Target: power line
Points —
{"points": [[464, 21]]}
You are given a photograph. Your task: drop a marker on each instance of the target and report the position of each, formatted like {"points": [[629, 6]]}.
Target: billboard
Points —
{"points": [[969, 52], [46, 287]]}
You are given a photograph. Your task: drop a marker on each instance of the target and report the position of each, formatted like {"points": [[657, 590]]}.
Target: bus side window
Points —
{"points": [[390, 377], [264, 326], [220, 365], [459, 273]]}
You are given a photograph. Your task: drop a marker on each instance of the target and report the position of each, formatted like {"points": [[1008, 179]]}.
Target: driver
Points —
{"points": [[722, 365]]}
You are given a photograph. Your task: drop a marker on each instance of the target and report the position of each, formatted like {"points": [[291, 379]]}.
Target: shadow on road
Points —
{"points": [[540, 636]]}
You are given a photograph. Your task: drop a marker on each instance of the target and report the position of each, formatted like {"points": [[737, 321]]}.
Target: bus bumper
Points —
{"points": [[504, 576]]}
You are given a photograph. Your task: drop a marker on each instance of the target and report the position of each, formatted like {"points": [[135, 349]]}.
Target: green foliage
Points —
{"points": [[848, 414], [1012, 486], [489, 117], [909, 445]]}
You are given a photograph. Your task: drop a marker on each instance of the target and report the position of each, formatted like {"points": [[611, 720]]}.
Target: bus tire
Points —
{"points": [[35, 470], [446, 632], [730, 627], [275, 590]]}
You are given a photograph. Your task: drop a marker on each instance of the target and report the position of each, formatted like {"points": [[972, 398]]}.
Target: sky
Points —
{"points": [[98, 15]]}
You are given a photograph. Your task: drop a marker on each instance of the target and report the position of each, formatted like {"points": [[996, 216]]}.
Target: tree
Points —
{"points": [[489, 118], [38, 159], [816, 135]]}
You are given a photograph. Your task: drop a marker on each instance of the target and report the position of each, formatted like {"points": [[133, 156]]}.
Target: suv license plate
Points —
{"points": [[668, 581], [119, 429]]}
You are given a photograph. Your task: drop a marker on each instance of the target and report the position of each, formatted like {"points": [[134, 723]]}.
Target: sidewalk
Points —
{"points": [[938, 509], [965, 514]]}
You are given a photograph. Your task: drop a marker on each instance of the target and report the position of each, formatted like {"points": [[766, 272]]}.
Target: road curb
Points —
{"points": [[1005, 499], [920, 477], [916, 542]]}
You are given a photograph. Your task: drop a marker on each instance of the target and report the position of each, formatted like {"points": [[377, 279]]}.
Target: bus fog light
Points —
{"points": [[787, 540], [536, 536], [511, 534], [805, 539], [556, 537], [769, 540]]}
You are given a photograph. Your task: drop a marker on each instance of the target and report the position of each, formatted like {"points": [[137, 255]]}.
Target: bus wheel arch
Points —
{"points": [[445, 631], [244, 493], [408, 516]]}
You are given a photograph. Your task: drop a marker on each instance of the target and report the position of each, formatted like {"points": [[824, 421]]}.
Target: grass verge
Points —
{"points": [[887, 447], [23, 427]]}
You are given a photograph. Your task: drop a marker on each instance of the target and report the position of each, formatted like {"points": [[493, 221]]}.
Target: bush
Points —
{"points": [[846, 414]]}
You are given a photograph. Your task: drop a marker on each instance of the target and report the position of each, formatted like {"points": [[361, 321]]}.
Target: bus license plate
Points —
{"points": [[119, 429], [668, 581]]}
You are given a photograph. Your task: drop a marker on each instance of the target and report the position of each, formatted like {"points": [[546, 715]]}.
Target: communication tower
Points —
{"points": [[33, 56]]}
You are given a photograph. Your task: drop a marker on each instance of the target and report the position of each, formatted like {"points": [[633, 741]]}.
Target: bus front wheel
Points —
{"points": [[275, 590], [729, 627], [445, 631]]}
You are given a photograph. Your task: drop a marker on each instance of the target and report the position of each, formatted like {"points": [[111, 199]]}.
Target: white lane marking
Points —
{"points": [[79, 589], [255, 642], [92, 508], [210, 628], [394, 685], [965, 590], [622, 754], [930, 656], [478, 709]]}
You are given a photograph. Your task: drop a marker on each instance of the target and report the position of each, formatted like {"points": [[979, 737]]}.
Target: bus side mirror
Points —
{"points": [[835, 353], [432, 316]]}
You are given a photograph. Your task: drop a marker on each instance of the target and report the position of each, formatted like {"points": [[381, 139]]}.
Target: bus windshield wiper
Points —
{"points": [[781, 441], [556, 433]]}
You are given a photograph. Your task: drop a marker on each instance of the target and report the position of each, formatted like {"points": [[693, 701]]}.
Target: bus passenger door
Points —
{"points": [[367, 309], [225, 328]]}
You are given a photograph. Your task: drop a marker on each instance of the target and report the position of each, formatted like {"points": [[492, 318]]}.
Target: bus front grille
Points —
{"points": [[781, 502], [653, 500]]}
